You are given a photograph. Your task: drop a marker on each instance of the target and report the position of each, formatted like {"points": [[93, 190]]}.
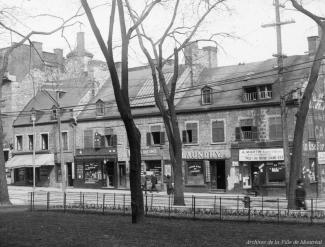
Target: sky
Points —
{"points": [[243, 19]]}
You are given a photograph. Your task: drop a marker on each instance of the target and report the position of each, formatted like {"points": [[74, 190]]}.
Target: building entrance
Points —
{"points": [[218, 174]]}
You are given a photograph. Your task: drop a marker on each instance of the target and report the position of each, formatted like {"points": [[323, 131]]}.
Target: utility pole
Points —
{"points": [[280, 56]]}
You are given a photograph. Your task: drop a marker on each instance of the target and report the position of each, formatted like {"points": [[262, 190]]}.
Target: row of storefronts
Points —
{"points": [[232, 170]]}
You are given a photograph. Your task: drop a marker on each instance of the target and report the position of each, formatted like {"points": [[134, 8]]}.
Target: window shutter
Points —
{"points": [[238, 133], [162, 138], [102, 141], [254, 132], [97, 140], [218, 132], [194, 133], [114, 140], [148, 139], [184, 136], [88, 138]]}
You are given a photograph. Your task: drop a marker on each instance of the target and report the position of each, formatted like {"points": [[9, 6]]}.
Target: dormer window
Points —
{"points": [[260, 92], [206, 95], [100, 108]]}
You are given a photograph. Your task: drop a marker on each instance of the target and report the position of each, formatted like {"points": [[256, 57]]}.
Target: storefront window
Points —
{"points": [[275, 172], [58, 173], [80, 171], [195, 175], [153, 167], [93, 173]]}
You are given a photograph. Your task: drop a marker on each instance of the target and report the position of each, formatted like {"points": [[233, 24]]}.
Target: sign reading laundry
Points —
{"points": [[204, 154], [261, 154]]}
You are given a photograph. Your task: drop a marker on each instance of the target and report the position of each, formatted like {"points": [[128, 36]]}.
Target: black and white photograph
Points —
{"points": [[162, 123]]}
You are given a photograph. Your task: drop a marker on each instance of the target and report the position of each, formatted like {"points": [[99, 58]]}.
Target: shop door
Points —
{"points": [[69, 168], [218, 174]]}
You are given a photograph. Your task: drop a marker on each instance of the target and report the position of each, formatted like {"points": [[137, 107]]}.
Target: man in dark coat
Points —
{"points": [[153, 183], [169, 185], [300, 194]]}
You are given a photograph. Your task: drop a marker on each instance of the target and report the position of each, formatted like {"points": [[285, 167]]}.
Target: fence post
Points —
{"points": [[31, 201], [151, 202], [278, 210], [220, 208], [193, 198], [80, 199], [83, 202], [114, 201], [168, 205], [47, 201], [262, 205], [64, 201], [249, 209], [104, 203], [237, 205], [214, 204], [312, 210], [97, 199], [124, 204], [146, 203]]}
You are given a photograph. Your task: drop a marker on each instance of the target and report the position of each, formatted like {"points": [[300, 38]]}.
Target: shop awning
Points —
{"points": [[26, 160]]}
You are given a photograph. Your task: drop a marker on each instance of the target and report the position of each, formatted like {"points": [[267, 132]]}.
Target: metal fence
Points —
{"points": [[196, 207]]}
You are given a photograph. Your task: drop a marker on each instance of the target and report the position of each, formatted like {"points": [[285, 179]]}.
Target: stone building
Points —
{"points": [[230, 123]]}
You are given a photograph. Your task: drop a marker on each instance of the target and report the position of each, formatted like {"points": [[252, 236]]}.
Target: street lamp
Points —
{"points": [[33, 119]]}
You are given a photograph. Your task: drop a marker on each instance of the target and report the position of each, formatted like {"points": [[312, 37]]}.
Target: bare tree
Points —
{"points": [[121, 92], [4, 196], [165, 94], [295, 168]]}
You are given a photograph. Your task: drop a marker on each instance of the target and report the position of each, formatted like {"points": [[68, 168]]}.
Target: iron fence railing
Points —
{"points": [[242, 208]]}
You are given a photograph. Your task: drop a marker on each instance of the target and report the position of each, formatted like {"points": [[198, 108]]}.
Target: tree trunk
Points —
{"points": [[134, 138], [295, 168], [178, 177]]}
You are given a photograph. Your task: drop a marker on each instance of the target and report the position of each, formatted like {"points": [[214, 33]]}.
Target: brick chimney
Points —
{"points": [[210, 56], [37, 53], [59, 57]]}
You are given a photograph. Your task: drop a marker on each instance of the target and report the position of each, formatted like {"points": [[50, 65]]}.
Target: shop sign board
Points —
{"points": [[321, 158], [205, 155], [150, 151], [267, 154]]}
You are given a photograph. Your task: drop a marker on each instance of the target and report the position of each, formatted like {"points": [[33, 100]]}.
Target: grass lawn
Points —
{"points": [[24, 228]]}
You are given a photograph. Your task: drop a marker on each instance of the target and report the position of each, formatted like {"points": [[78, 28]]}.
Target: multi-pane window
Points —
{"points": [[206, 94], [45, 141], [275, 128], [218, 131], [155, 136], [100, 108], [190, 134], [246, 131], [109, 139], [65, 140], [30, 142], [19, 143]]}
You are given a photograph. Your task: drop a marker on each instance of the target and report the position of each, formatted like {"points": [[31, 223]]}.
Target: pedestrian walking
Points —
{"points": [[153, 183], [169, 185], [300, 195]]}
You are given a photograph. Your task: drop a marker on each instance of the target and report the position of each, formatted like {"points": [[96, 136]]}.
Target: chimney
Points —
{"points": [[37, 53], [59, 56], [80, 42], [210, 56], [190, 53], [313, 42]]}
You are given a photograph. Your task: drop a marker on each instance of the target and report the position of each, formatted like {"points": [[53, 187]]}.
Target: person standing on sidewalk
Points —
{"points": [[300, 195], [169, 185], [153, 183]]}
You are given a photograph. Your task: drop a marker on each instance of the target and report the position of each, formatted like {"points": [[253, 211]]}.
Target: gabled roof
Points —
{"points": [[227, 82], [74, 90]]}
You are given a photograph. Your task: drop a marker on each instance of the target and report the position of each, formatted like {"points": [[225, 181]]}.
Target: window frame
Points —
{"points": [[63, 147], [48, 140], [206, 93], [224, 130], [100, 108], [28, 135], [161, 129], [269, 126], [22, 142], [198, 132]]}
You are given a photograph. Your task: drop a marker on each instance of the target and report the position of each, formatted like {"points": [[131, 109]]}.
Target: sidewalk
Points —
{"points": [[126, 191]]}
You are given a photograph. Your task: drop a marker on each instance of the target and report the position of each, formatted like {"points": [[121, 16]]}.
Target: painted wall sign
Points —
{"points": [[150, 151], [321, 157], [205, 155], [261, 154]]}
